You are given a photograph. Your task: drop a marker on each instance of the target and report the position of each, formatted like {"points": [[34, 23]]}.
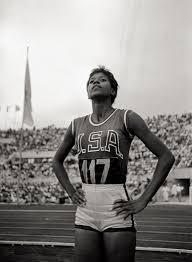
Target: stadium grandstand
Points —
{"points": [[40, 186]]}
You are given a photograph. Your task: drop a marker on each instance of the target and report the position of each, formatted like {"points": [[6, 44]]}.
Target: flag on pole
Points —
{"points": [[27, 111]]}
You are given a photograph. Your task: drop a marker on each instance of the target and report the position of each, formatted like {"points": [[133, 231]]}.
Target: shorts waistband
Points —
{"points": [[102, 186]]}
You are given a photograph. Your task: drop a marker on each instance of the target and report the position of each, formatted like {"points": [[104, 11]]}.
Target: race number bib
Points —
{"points": [[96, 171]]}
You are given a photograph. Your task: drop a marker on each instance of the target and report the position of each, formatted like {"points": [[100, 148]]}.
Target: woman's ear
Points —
{"points": [[113, 92]]}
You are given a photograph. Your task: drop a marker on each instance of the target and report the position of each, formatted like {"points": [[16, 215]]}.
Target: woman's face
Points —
{"points": [[99, 86]]}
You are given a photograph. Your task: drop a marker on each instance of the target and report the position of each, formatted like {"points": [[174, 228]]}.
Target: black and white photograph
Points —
{"points": [[95, 130]]}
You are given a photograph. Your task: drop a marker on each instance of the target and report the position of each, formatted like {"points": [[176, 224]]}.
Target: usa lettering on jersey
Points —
{"points": [[95, 140]]}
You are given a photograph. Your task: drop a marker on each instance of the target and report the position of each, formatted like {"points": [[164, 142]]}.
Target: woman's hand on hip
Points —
{"points": [[78, 197], [127, 208]]}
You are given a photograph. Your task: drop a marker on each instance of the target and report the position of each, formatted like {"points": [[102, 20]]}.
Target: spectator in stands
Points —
{"points": [[179, 189], [165, 192]]}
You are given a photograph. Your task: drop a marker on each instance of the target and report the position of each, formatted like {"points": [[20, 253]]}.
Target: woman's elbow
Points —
{"points": [[169, 157], [55, 163]]}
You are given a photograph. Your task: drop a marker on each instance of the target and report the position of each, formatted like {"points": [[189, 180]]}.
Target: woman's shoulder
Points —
{"points": [[124, 115], [78, 122], [132, 115], [125, 111], [133, 120], [80, 118], [127, 114]]}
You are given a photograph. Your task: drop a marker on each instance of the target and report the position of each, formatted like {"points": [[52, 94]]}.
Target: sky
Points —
{"points": [[146, 44]]}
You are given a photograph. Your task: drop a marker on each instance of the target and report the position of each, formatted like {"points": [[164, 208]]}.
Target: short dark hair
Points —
{"points": [[110, 76]]}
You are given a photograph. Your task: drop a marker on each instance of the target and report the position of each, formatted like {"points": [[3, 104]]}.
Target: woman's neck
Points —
{"points": [[101, 111]]}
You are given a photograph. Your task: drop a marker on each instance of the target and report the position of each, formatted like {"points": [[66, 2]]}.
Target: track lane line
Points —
{"points": [[62, 244]]}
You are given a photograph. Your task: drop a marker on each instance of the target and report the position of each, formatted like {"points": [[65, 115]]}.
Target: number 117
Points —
{"points": [[94, 162]]}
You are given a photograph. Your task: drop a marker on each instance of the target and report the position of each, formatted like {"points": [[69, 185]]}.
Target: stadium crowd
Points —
{"points": [[39, 184]]}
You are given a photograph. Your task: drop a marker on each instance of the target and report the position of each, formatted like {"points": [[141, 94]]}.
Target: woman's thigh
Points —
{"points": [[88, 245], [119, 246]]}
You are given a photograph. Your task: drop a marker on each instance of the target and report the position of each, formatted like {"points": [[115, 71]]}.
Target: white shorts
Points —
{"points": [[97, 214]]}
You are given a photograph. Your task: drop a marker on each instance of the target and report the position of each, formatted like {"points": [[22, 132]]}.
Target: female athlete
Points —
{"points": [[104, 223]]}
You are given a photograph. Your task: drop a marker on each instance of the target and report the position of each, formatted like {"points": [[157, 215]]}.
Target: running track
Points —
{"points": [[159, 226]]}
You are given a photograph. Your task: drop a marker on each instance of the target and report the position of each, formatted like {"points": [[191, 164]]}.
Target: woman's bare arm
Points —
{"points": [[158, 148], [77, 196], [166, 159]]}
